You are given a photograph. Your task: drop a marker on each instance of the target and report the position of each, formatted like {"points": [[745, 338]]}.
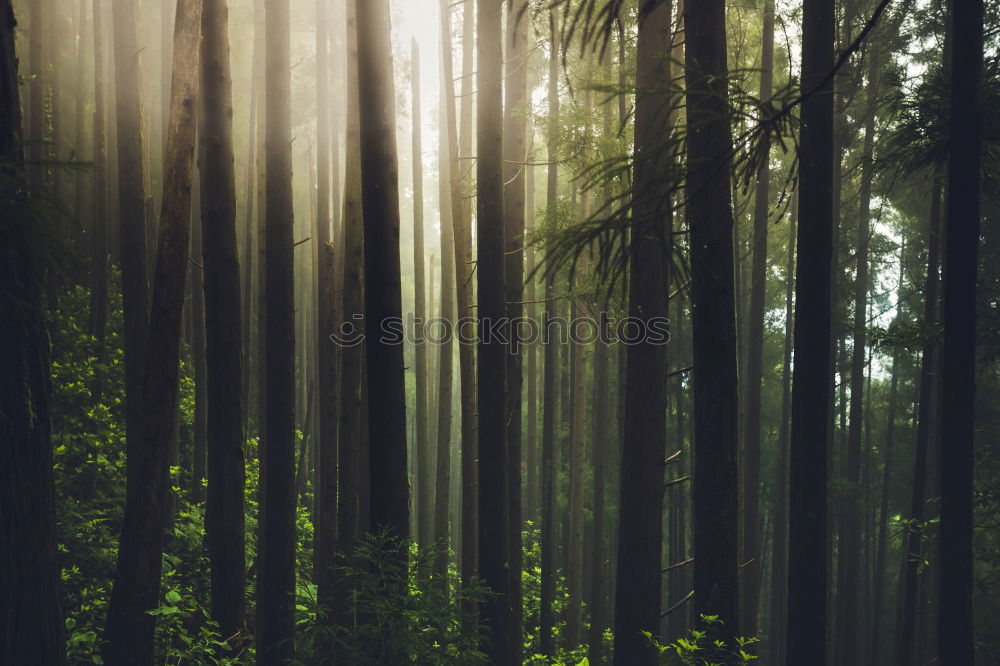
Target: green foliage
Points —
{"points": [[705, 647]]}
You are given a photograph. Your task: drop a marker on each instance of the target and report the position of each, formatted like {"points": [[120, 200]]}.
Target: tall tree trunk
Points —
{"points": [[779, 559], [550, 415], [351, 440], [31, 618], [600, 460], [812, 377], [911, 547], [878, 583], [198, 342], [515, 125], [848, 575], [128, 633], [955, 620], [531, 494], [422, 444], [751, 552], [99, 199], [224, 521], [494, 536], [637, 597], [131, 214], [275, 627], [446, 358], [716, 405], [383, 298]]}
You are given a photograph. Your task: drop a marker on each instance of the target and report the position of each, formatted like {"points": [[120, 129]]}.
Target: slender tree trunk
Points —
{"points": [[383, 299], [848, 577], [551, 412], [31, 618], [716, 405], [198, 342], [779, 559], [515, 125], [128, 633], [224, 521], [531, 453], [494, 535], [351, 434], [99, 199], [131, 214], [878, 584], [812, 377], [907, 627], [955, 620], [600, 461], [275, 628], [465, 275], [446, 358], [425, 511], [637, 597], [751, 571]]}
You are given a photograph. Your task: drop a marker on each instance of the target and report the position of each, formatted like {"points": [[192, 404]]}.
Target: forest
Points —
{"points": [[544, 332]]}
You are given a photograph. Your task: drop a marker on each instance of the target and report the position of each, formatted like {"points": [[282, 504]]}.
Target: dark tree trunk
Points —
{"points": [[494, 537], [515, 156], [224, 520], [715, 516], [638, 586], [383, 298], [128, 633], [99, 242], [425, 510], [955, 625], [812, 377], [550, 415], [31, 618], [131, 212], [751, 552], [275, 628], [198, 343]]}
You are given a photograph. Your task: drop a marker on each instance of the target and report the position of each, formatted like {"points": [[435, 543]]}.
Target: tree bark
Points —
{"points": [[812, 376], [715, 516], [275, 628], [383, 298], [751, 552], [224, 520], [637, 597], [494, 535], [425, 510], [955, 620], [99, 199], [128, 633], [515, 125], [31, 618], [551, 412]]}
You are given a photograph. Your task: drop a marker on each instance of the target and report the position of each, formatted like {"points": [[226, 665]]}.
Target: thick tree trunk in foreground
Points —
{"points": [[128, 633], [959, 352], [494, 541], [275, 628], [31, 619], [714, 378], [383, 297], [812, 377], [224, 521], [752, 572], [637, 597]]}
